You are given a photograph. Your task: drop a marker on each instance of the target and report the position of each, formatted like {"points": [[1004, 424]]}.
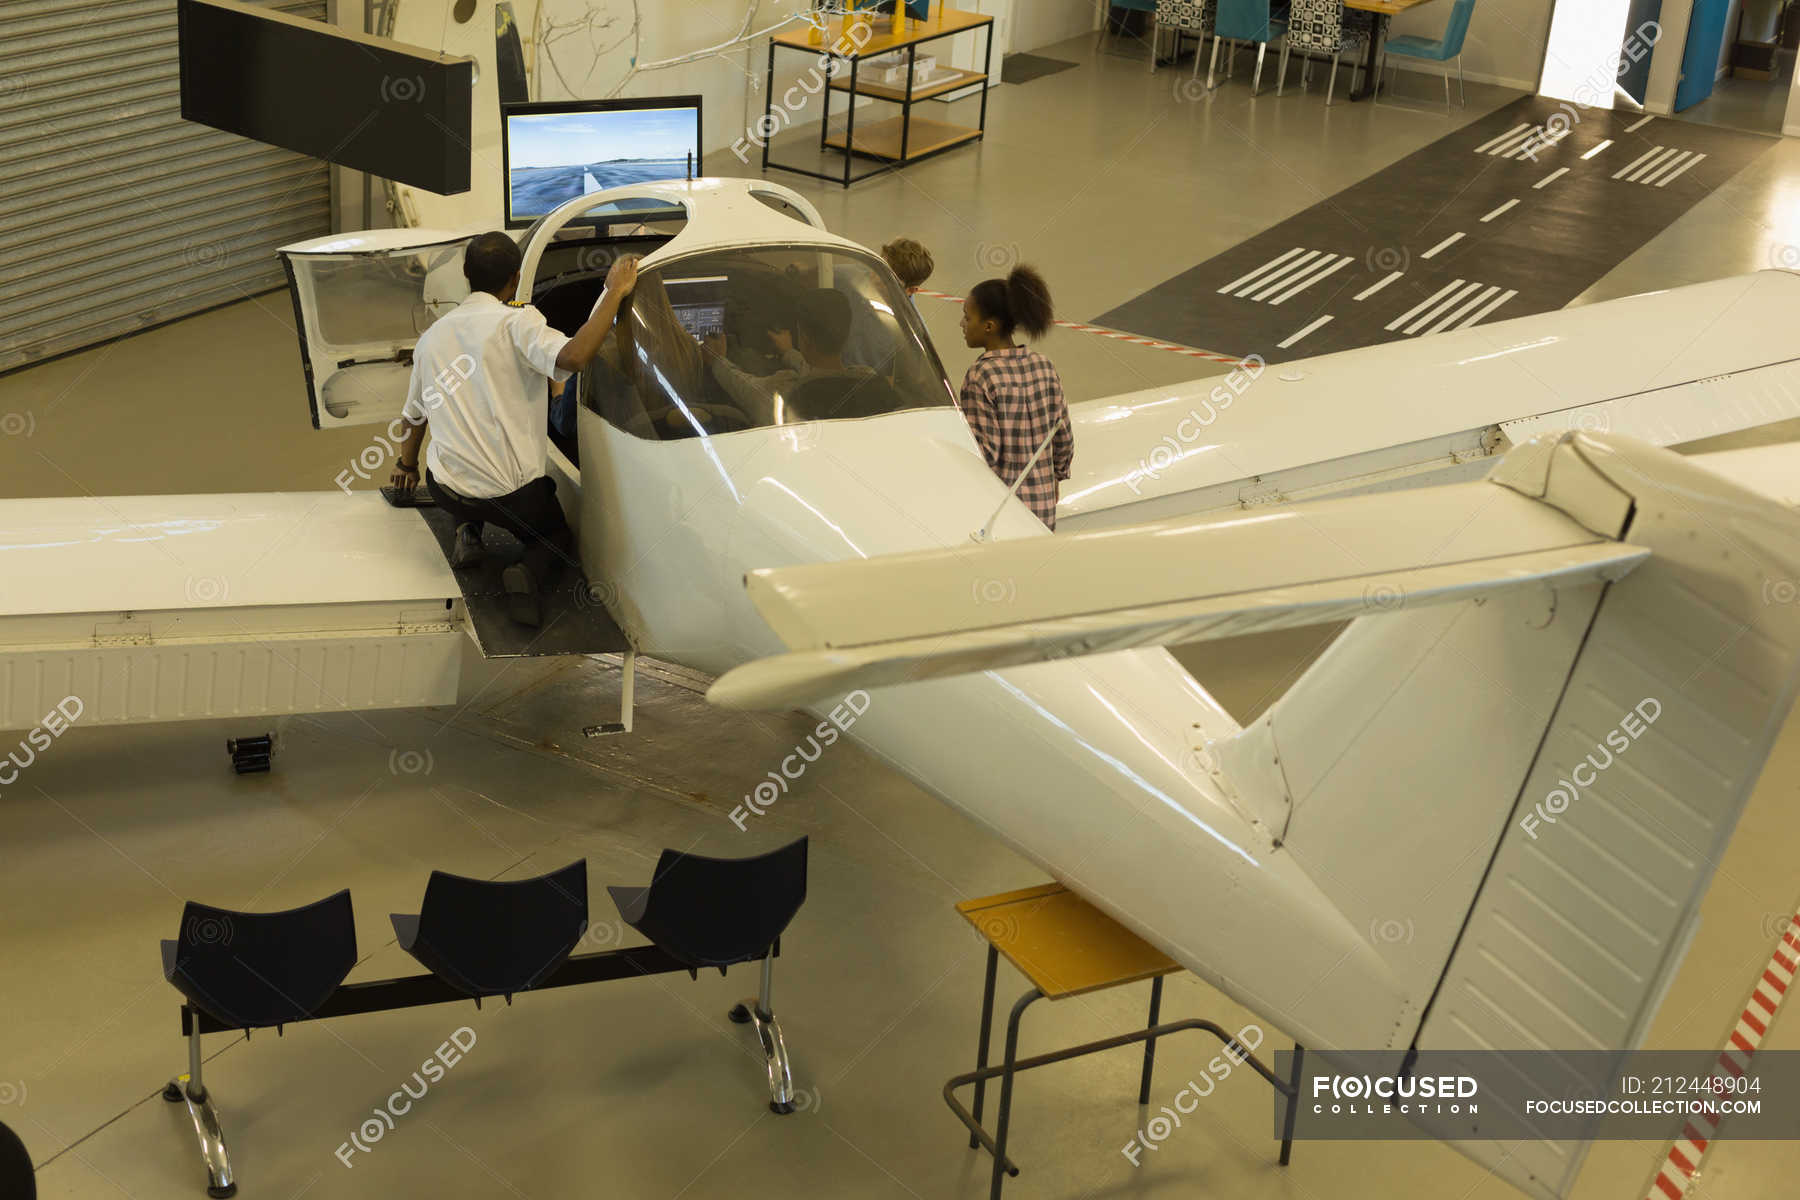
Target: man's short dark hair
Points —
{"points": [[824, 318], [490, 261]]}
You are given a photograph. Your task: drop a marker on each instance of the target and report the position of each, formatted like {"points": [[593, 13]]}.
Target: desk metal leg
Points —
{"points": [[1150, 1043], [1371, 80], [831, 64], [850, 123], [768, 123], [981, 1050], [987, 69], [912, 55], [1002, 1120], [1293, 1104]]}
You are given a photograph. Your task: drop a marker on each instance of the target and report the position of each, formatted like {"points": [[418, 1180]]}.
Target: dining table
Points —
{"points": [[1381, 11]]}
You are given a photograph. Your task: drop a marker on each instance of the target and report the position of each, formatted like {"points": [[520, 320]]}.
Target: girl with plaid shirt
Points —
{"points": [[1012, 397]]}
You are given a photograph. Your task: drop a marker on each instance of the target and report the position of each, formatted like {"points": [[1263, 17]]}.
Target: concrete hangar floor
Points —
{"points": [[1114, 183]]}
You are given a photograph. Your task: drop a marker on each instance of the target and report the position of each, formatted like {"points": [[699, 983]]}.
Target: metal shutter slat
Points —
{"points": [[110, 192]]}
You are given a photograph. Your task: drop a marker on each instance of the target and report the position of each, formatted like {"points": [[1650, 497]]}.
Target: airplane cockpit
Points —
{"points": [[756, 337], [739, 333]]}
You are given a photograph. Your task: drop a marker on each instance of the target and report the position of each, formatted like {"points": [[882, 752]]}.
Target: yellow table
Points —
{"points": [[1065, 947], [897, 140]]}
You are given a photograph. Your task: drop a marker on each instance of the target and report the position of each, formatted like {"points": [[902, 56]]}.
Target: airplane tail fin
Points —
{"points": [[1514, 774]]}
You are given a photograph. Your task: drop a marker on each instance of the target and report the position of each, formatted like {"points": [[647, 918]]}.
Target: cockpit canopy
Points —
{"points": [[749, 338]]}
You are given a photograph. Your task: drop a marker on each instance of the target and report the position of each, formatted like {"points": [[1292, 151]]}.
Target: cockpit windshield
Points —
{"points": [[749, 338]]}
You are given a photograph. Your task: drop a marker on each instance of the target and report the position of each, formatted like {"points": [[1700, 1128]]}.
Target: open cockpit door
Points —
{"points": [[361, 300]]}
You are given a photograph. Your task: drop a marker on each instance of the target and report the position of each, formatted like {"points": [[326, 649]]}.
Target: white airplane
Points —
{"points": [[1528, 601]]}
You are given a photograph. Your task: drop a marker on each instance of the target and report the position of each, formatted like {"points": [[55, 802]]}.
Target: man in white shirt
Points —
{"points": [[478, 380]]}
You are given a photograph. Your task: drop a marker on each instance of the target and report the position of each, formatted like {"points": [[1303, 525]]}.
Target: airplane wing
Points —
{"points": [[1515, 803], [980, 608], [1665, 367]]}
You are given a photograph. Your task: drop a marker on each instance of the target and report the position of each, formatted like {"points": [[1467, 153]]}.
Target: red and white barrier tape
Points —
{"points": [[1681, 1164], [1115, 334]]}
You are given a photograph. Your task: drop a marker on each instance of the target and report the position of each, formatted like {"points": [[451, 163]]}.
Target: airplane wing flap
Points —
{"points": [[1040, 599]]}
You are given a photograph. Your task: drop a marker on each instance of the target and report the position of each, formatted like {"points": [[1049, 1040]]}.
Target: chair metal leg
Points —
{"points": [[1156, 37], [190, 1088], [1004, 1118], [1262, 48], [981, 1049], [1293, 1105], [1198, 47], [1462, 95], [760, 1012], [1446, 88], [1150, 1043], [1331, 84], [1213, 66], [1281, 73]]}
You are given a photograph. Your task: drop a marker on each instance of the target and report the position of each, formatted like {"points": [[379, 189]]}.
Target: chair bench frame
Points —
{"points": [[414, 991]]}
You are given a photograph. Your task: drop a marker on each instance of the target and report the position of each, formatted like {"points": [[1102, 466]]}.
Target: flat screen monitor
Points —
{"points": [[555, 152]]}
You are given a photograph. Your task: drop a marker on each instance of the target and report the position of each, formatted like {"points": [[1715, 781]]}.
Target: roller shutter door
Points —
{"points": [[115, 214]]}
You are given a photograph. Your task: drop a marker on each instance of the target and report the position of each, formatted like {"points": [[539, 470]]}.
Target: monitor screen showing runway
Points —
{"points": [[553, 157]]}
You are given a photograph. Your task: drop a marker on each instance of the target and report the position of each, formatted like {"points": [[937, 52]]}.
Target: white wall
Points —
{"points": [[1505, 43], [1040, 23], [1730, 38]]}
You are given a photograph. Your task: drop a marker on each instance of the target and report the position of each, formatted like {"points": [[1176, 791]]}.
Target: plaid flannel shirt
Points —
{"points": [[1011, 399]]}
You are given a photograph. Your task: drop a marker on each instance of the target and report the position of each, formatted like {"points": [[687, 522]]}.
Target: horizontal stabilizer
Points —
{"points": [[904, 618]]}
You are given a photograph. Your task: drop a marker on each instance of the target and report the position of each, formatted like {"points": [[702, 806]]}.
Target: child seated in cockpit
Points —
{"points": [[813, 350]]}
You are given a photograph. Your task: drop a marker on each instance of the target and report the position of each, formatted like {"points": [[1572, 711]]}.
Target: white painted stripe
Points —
{"points": [[1664, 182], [1513, 148], [1376, 287], [1499, 210], [1522, 134], [1294, 337], [1596, 149], [1640, 122], [1270, 265], [1552, 177], [1638, 175], [1458, 313], [1489, 307], [1780, 972], [1263, 288], [1770, 994], [1673, 162], [1441, 309], [1514, 131], [1533, 149], [1445, 244], [1410, 313], [1306, 283], [1634, 162]]}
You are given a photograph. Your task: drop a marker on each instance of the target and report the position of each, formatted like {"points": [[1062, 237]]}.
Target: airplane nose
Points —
{"points": [[842, 489]]}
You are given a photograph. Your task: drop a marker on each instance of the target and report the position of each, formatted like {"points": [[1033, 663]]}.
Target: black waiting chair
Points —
{"points": [[17, 1180], [714, 912], [487, 938], [251, 971]]}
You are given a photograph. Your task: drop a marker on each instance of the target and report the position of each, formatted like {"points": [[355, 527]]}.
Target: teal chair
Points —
{"points": [[1441, 51], [1246, 21]]}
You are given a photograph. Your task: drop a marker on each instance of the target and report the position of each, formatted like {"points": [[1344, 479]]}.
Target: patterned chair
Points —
{"points": [[1192, 17], [1323, 27]]}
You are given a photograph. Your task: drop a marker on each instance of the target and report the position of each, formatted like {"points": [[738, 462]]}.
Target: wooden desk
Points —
{"points": [[897, 140], [1382, 10]]}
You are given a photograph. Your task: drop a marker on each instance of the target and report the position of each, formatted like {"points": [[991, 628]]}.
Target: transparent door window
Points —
{"points": [[718, 342]]}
